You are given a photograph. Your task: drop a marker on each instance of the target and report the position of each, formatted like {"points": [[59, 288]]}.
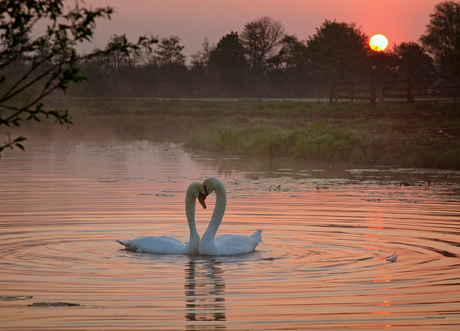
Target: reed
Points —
{"points": [[228, 139]]}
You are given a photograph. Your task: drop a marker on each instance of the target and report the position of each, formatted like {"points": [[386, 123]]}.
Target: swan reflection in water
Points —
{"points": [[205, 295]]}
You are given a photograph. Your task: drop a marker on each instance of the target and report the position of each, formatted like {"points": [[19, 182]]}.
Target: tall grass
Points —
{"points": [[387, 134], [228, 139]]}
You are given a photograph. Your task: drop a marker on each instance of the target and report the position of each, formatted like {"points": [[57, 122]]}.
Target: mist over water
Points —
{"points": [[343, 248]]}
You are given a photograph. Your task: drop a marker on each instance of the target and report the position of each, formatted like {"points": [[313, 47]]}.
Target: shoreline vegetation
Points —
{"points": [[421, 135]]}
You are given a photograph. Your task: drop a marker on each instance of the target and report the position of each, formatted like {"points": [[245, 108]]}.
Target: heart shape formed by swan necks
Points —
{"points": [[226, 244]]}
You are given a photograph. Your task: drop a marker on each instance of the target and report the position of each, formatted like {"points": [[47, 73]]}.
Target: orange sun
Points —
{"points": [[378, 43]]}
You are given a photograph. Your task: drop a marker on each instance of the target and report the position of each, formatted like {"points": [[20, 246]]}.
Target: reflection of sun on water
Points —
{"points": [[324, 262]]}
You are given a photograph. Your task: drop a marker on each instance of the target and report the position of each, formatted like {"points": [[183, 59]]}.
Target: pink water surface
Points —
{"points": [[326, 262]]}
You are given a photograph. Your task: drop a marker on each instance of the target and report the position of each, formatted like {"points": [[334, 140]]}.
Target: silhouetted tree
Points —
{"points": [[413, 62], [384, 65], [171, 78], [169, 53], [442, 39], [292, 54], [228, 62], [289, 68], [118, 58], [200, 59], [338, 51], [261, 39], [203, 83]]}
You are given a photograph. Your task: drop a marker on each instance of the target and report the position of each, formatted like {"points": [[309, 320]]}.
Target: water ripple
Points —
{"points": [[337, 253]]}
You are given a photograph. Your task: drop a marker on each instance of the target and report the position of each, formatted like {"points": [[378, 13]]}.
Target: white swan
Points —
{"points": [[226, 244], [170, 245]]}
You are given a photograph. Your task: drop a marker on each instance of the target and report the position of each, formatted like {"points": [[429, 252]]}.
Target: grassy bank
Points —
{"points": [[420, 135]]}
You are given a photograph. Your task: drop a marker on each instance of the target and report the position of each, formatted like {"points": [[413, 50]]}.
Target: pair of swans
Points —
{"points": [[226, 244]]}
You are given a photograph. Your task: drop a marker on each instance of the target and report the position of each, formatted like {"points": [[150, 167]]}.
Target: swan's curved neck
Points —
{"points": [[190, 202], [219, 211]]}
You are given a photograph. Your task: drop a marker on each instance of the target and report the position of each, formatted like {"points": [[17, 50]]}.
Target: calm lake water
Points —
{"points": [[372, 248]]}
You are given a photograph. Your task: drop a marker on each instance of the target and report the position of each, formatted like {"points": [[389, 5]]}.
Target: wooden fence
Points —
{"points": [[401, 91], [353, 91], [437, 94]]}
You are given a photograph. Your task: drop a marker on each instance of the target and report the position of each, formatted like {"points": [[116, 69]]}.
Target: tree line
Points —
{"points": [[263, 61]]}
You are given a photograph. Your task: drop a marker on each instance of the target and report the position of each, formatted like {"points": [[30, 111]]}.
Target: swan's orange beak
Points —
{"points": [[201, 198]]}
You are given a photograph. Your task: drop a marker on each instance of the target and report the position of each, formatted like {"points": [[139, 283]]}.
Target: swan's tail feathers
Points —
{"points": [[257, 235], [127, 245], [124, 243], [121, 242]]}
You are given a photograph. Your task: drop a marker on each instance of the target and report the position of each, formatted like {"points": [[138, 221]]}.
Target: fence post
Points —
{"points": [[383, 91], [351, 95], [410, 91], [372, 93], [331, 97]]}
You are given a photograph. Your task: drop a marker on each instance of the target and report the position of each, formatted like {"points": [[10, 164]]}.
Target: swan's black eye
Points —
{"points": [[206, 190]]}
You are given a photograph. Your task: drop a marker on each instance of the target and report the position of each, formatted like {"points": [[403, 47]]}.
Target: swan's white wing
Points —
{"points": [[169, 239], [222, 237], [162, 244], [230, 244]]}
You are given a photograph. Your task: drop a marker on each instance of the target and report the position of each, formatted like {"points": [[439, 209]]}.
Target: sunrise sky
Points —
{"points": [[195, 20]]}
